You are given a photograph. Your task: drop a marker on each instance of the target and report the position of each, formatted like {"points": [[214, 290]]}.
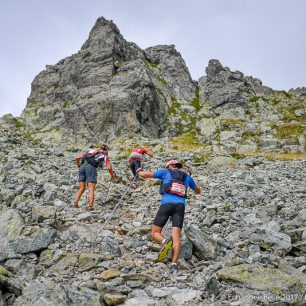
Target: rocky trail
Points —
{"points": [[243, 238]]}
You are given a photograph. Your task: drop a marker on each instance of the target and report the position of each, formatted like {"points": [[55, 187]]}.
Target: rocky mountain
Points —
{"points": [[113, 89], [243, 241]]}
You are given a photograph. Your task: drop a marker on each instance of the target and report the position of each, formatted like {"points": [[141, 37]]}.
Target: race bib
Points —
{"points": [[178, 189]]}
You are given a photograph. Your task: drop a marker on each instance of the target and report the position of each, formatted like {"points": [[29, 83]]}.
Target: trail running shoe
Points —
{"points": [[174, 268], [90, 208], [165, 247]]}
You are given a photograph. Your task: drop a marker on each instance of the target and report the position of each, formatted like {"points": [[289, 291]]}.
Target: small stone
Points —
{"points": [[109, 274], [114, 299]]}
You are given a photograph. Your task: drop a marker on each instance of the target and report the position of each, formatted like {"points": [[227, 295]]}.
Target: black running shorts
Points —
{"points": [[88, 173], [135, 164], [176, 211]]}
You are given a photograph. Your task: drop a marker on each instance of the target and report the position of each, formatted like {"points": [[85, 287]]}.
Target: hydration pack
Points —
{"points": [[136, 153], [176, 185], [94, 158]]}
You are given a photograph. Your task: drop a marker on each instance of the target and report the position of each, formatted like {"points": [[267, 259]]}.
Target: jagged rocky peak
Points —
{"points": [[213, 69], [174, 69], [101, 34], [106, 38], [238, 114], [226, 88], [111, 88], [300, 91]]}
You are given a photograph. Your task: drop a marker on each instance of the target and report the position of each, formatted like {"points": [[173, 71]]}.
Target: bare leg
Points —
{"points": [[156, 233], [91, 196], [176, 247], [79, 193]]}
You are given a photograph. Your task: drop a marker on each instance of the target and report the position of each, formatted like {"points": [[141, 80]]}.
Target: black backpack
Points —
{"points": [[176, 185], [93, 159]]}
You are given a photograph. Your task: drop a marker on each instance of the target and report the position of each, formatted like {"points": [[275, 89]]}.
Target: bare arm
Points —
{"points": [[197, 190], [149, 153], [110, 170], [145, 174], [78, 161]]}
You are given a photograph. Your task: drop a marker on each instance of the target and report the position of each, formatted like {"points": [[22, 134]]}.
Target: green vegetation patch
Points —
{"points": [[163, 81], [244, 90], [249, 135], [27, 135], [275, 101], [256, 98], [272, 156], [288, 130], [196, 101], [228, 124], [286, 94], [150, 65], [4, 272], [237, 155], [175, 107], [54, 85], [147, 63], [288, 113], [201, 158], [17, 122], [47, 131], [187, 141]]}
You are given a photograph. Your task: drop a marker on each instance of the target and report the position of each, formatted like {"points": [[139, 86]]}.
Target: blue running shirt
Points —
{"points": [[165, 176]]}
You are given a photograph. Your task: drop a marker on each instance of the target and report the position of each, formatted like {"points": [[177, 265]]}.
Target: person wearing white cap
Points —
{"points": [[174, 192]]}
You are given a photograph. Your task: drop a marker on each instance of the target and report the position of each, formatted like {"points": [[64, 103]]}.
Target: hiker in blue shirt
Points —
{"points": [[174, 192]]}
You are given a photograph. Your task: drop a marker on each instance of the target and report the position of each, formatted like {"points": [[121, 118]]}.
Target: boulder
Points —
{"points": [[11, 224], [36, 242], [264, 278], [204, 246]]}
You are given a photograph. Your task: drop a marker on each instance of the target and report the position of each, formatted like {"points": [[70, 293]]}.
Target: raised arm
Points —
{"points": [[145, 174]]}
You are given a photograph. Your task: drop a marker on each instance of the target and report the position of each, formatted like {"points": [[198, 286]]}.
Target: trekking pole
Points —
{"points": [[119, 202], [106, 195], [77, 181]]}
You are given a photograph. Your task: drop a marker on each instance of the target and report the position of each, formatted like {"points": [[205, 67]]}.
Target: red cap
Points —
{"points": [[174, 162]]}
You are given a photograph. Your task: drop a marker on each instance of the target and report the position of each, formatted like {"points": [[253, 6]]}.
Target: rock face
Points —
{"points": [[110, 88], [240, 115]]}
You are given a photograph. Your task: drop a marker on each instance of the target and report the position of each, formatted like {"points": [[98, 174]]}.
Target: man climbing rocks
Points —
{"points": [[88, 164], [174, 192], [135, 160]]}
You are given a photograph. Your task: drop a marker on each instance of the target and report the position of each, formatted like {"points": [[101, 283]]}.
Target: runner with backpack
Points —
{"points": [[88, 164], [173, 189]]}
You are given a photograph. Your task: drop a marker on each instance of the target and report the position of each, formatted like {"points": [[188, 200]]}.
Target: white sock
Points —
{"points": [[163, 240]]}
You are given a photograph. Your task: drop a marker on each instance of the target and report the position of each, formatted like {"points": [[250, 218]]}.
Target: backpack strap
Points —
{"points": [[178, 175], [176, 185]]}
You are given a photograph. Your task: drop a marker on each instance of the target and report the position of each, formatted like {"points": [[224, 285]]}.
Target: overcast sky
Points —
{"points": [[262, 38]]}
